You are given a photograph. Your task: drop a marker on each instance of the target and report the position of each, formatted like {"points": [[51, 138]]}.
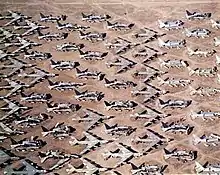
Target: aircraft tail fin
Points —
{"points": [[161, 42], [84, 15], [50, 82], [39, 33], [13, 142], [78, 71], [81, 52], [160, 81], [77, 92], [198, 167], [109, 23], [101, 76], [107, 126], [107, 103], [191, 71], [45, 131], [217, 59], [107, 16], [133, 166], [161, 24], [73, 142], [63, 17], [42, 15], [167, 153], [131, 25], [70, 169], [107, 81], [188, 13], [196, 139]]}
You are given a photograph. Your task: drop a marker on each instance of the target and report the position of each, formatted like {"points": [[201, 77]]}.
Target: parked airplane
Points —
{"points": [[200, 53], [216, 41], [88, 95], [92, 55], [88, 167], [197, 15], [52, 36], [62, 86], [91, 140], [27, 144], [119, 130], [215, 24], [118, 84], [180, 155], [93, 18], [148, 91], [92, 117], [59, 131], [174, 103], [204, 91], [205, 115], [168, 44], [206, 72], [198, 32], [59, 108], [121, 63], [119, 26], [30, 121], [71, 27], [35, 97], [35, 55], [207, 140], [7, 35], [173, 63], [64, 65], [92, 36], [5, 55], [120, 105], [69, 47], [174, 82], [7, 157], [14, 109], [207, 168], [86, 74], [171, 25], [50, 18]]}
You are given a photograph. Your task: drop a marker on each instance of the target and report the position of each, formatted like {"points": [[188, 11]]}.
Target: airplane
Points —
{"points": [[119, 130], [211, 140], [173, 63], [7, 132], [200, 53], [92, 117], [91, 140], [176, 127], [171, 24], [35, 97], [27, 144], [197, 33], [35, 55], [30, 121], [205, 115], [197, 15], [92, 55], [16, 65], [92, 36], [125, 153], [121, 63], [69, 47], [59, 108], [215, 24], [88, 167], [118, 84], [52, 36], [93, 18], [71, 27], [174, 103], [14, 17], [174, 82], [59, 131], [216, 41], [50, 18], [7, 35], [86, 74], [26, 166], [88, 95], [120, 105], [14, 109], [62, 86], [5, 55], [30, 26], [149, 169], [204, 91], [206, 72], [149, 90], [119, 26], [64, 65], [169, 44], [207, 168], [180, 155]]}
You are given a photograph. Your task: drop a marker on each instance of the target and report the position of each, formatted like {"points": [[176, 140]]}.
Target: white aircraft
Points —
{"points": [[211, 140], [7, 35], [172, 24], [207, 168]]}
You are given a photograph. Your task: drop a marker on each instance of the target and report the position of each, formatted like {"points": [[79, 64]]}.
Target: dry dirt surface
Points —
{"points": [[142, 14]]}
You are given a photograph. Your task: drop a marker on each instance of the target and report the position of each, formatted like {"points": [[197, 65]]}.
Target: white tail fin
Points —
{"points": [[217, 60], [191, 71], [198, 167], [196, 139], [192, 90], [190, 51], [161, 42], [73, 142], [70, 169], [161, 24], [45, 133], [160, 81]]}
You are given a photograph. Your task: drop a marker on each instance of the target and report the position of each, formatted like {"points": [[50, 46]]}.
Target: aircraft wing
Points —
{"points": [[126, 149], [12, 21], [28, 31], [90, 137], [5, 128]]}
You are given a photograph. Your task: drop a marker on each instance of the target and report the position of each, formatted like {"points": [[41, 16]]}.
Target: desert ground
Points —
{"points": [[142, 14]]}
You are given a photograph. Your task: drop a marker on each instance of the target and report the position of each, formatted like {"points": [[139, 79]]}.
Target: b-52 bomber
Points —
{"points": [[169, 44], [174, 82], [64, 65], [92, 36], [59, 108], [215, 24], [27, 144], [207, 168], [7, 35], [119, 84], [59, 131], [174, 103], [69, 47], [197, 15], [62, 86], [205, 115], [117, 26], [203, 72], [204, 91], [171, 25], [120, 105], [50, 18], [88, 95], [207, 140], [35, 55], [86, 74], [5, 55], [93, 18], [200, 53], [119, 130], [180, 155], [91, 140], [121, 63], [92, 55], [173, 63], [52, 36], [198, 33], [7, 157], [71, 27], [35, 97]]}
